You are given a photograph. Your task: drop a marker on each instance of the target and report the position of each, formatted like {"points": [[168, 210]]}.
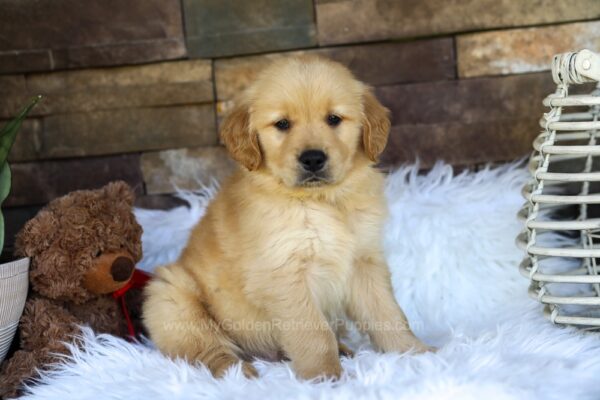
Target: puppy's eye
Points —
{"points": [[333, 120], [283, 125]]}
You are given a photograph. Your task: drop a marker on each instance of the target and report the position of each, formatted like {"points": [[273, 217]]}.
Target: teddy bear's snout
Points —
{"points": [[109, 272], [121, 268]]}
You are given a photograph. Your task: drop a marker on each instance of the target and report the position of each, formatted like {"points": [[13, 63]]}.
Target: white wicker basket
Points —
{"points": [[562, 213], [14, 281]]}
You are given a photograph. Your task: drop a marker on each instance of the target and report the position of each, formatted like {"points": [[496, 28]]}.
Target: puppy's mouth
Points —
{"points": [[313, 179]]}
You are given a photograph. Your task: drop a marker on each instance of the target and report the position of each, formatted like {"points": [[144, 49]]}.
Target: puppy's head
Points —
{"points": [[308, 122]]}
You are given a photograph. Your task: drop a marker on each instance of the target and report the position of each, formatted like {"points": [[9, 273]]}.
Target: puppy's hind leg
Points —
{"points": [[180, 325]]}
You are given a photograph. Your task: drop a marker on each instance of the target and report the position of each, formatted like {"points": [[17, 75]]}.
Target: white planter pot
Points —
{"points": [[14, 281]]}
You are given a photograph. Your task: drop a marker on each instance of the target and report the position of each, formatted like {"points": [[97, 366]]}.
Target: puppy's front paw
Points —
{"points": [[219, 369], [408, 343], [420, 347], [430, 349], [329, 370]]}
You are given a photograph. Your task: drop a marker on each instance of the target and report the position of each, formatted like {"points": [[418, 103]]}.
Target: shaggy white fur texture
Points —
{"points": [[450, 245]]}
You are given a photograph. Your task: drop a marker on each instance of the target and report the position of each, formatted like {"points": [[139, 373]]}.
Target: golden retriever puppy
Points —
{"points": [[291, 245]]}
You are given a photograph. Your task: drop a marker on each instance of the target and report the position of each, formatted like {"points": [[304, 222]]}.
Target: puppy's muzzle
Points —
{"points": [[313, 160]]}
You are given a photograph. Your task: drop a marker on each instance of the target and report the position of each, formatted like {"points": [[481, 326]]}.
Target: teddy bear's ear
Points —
{"points": [[121, 191], [37, 234]]}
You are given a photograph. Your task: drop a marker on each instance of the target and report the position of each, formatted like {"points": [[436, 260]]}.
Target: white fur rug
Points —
{"points": [[450, 245]]}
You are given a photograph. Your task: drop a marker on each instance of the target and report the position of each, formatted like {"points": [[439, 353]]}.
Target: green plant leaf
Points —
{"points": [[9, 132], [7, 139], [5, 180]]}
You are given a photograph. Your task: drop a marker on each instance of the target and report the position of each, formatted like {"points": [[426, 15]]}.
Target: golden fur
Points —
{"points": [[279, 259]]}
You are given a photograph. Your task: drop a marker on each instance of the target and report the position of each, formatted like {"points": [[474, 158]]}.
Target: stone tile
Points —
{"points": [[128, 130], [25, 61], [38, 183], [522, 50], [216, 28], [13, 95], [12, 83], [464, 122], [28, 141], [397, 62], [460, 143], [162, 73], [192, 168], [114, 110], [72, 34], [115, 132], [467, 100], [351, 21], [161, 84]]}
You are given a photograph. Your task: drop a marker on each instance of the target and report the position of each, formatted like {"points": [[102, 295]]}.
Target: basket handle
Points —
{"points": [[575, 68]]}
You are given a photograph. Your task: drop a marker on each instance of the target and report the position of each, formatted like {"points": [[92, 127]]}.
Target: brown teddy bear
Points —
{"points": [[83, 249]]}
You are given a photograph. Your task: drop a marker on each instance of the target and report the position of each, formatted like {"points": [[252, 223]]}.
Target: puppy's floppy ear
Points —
{"points": [[240, 140], [376, 125]]}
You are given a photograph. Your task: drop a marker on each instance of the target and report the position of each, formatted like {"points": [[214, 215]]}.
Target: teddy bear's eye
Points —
{"points": [[98, 253]]}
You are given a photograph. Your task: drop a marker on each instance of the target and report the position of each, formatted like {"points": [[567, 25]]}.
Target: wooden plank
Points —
{"points": [[464, 122], [40, 182], [376, 64], [190, 169], [119, 131], [72, 34], [351, 21], [517, 51], [216, 28], [161, 84]]}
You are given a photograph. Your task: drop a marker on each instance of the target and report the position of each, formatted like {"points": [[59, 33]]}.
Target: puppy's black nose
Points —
{"points": [[313, 160]]}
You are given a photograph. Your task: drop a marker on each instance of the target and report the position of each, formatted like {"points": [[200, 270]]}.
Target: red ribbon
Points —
{"points": [[139, 279]]}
